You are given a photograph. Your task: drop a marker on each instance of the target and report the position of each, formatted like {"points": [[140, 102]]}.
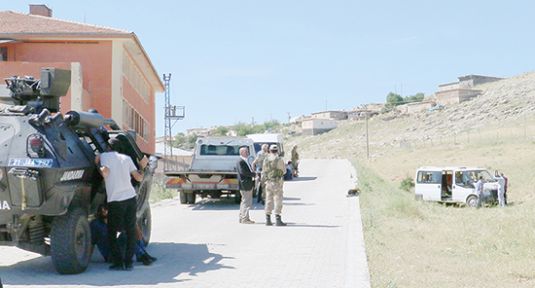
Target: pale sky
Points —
{"points": [[234, 60]]}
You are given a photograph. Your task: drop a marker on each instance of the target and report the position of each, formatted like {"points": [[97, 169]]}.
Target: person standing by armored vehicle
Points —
{"points": [[272, 172]]}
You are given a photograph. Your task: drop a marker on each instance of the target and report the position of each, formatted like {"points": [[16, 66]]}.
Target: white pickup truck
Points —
{"points": [[213, 169]]}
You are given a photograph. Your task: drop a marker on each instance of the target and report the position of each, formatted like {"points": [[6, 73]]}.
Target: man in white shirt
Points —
{"points": [[117, 170]]}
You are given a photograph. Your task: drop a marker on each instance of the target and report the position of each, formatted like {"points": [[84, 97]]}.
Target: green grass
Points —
{"points": [[159, 192]]}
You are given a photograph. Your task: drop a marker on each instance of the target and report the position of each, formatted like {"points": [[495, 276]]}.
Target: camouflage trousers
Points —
{"points": [[274, 197]]}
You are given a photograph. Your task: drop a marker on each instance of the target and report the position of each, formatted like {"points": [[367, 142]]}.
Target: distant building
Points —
{"points": [[456, 96], [333, 115], [462, 90], [314, 126]]}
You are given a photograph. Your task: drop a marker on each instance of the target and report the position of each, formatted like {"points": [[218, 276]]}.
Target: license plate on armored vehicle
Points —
{"points": [[31, 162]]}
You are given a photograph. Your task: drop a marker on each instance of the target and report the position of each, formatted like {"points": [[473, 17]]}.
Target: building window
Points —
{"points": [[135, 78], [3, 53], [134, 121]]}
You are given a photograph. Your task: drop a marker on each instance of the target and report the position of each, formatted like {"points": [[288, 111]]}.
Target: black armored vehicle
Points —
{"points": [[49, 184]]}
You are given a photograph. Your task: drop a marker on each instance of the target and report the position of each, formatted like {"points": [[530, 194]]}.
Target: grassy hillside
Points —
{"points": [[415, 244]]}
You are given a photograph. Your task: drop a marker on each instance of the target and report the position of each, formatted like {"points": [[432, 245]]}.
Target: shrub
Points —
{"points": [[407, 184]]}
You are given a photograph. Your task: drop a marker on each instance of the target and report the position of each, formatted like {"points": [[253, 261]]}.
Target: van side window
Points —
{"points": [[429, 177]]}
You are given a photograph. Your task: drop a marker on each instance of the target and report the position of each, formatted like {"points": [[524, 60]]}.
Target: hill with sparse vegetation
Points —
{"points": [[417, 244]]}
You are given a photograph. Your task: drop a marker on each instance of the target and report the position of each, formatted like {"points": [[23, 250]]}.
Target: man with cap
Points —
{"points": [[272, 172]]}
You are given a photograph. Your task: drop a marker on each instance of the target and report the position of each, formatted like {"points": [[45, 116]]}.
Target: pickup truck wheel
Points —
{"points": [[190, 197], [70, 242], [183, 198], [237, 197]]}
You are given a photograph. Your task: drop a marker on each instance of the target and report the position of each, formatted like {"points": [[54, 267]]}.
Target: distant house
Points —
{"points": [[462, 90], [314, 126], [333, 115]]}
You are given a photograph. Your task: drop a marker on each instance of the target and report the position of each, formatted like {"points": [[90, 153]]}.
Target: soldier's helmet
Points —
{"points": [[273, 147]]}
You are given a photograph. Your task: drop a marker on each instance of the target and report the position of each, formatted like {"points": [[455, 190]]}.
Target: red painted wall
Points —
{"points": [[95, 59]]}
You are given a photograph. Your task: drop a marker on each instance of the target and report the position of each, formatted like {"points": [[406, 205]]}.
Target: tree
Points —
{"points": [[393, 99], [220, 131], [184, 142], [418, 97]]}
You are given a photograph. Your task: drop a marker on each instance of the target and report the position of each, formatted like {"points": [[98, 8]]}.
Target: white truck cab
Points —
{"points": [[454, 185]]}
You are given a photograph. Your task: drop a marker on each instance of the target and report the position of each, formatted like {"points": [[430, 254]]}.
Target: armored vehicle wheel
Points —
{"points": [[190, 197], [145, 223], [183, 198], [472, 201], [70, 242]]}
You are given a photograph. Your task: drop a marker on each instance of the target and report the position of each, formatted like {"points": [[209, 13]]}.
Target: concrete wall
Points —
{"points": [[448, 86], [456, 96]]}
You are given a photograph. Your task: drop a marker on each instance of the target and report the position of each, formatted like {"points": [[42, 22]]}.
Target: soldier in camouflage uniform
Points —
{"points": [[295, 162], [272, 172], [257, 165]]}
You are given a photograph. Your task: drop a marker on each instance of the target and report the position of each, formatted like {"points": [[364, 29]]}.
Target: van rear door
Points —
{"points": [[428, 184]]}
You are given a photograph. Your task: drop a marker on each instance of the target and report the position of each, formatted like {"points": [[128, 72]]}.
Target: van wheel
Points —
{"points": [[70, 242], [472, 201], [190, 197], [183, 198]]}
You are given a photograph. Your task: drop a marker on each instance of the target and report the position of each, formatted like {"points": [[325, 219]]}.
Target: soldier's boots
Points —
{"points": [[278, 221], [268, 220]]}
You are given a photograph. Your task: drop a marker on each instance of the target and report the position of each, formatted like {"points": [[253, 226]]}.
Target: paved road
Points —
{"points": [[203, 245]]}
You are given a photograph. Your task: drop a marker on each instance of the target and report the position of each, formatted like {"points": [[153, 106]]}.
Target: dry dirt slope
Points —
{"points": [[411, 244]]}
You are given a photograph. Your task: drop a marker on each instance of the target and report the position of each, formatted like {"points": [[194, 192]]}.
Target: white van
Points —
{"points": [[454, 185], [267, 138]]}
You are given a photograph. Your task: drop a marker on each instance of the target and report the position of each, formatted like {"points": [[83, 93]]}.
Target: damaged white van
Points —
{"points": [[454, 185]]}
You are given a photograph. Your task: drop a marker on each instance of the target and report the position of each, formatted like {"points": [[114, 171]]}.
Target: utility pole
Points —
{"points": [[367, 137], [172, 114]]}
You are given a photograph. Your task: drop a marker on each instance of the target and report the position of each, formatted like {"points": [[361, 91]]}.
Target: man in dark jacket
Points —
{"points": [[245, 177]]}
